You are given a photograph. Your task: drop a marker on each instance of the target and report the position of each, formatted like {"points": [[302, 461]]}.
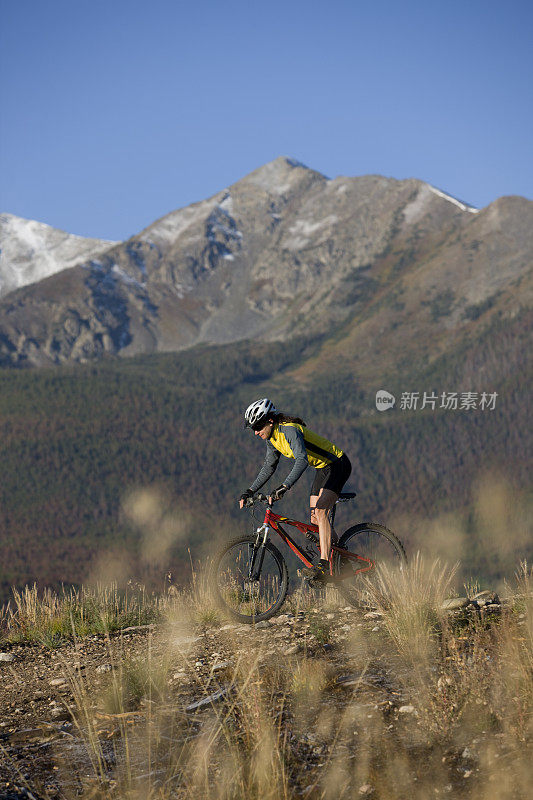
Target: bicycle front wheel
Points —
{"points": [[376, 548], [248, 584]]}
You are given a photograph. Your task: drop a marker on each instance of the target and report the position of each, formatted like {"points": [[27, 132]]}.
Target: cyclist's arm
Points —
{"points": [[296, 441], [267, 470]]}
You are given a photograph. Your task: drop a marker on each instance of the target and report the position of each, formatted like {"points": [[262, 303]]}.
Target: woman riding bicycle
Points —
{"points": [[289, 436]]}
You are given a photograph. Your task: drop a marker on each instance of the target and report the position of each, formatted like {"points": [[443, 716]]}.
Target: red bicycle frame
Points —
{"points": [[310, 531]]}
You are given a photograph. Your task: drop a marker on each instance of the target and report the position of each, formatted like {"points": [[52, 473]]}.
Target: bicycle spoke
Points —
{"points": [[242, 593], [376, 548]]}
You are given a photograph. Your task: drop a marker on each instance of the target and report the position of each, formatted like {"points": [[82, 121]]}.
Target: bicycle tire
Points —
{"points": [[228, 582], [370, 540]]}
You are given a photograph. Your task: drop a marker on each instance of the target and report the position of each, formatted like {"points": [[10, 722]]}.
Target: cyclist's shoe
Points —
{"points": [[318, 572]]}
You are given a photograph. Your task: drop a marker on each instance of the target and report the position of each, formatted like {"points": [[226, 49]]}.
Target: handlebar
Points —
{"points": [[258, 498]]}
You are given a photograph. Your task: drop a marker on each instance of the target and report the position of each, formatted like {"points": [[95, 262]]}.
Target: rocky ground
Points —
{"points": [[52, 701]]}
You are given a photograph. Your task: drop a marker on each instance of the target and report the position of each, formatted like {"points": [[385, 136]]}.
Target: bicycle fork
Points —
{"points": [[258, 553]]}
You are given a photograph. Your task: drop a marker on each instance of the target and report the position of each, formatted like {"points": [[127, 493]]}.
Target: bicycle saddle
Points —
{"points": [[346, 496]]}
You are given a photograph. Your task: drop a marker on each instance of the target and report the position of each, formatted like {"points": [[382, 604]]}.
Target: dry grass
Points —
{"points": [[51, 618], [285, 727], [410, 600], [283, 732]]}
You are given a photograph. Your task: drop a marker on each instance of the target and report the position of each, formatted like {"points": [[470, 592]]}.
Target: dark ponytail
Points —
{"points": [[280, 418]]}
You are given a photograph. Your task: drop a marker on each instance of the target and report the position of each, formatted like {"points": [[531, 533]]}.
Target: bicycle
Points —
{"points": [[250, 579]]}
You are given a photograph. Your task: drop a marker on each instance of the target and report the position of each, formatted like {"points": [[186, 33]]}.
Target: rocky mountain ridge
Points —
{"points": [[283, 247]]}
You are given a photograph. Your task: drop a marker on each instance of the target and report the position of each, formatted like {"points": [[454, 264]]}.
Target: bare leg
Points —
{"points": [[320, 507]]}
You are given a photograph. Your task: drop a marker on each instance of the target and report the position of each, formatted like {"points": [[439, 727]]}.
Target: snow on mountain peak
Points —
{"points": [[454, 200], [166, 230], [31, 251]]}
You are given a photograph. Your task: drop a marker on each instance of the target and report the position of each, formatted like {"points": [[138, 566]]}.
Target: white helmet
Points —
{"points": [[258, 412]]}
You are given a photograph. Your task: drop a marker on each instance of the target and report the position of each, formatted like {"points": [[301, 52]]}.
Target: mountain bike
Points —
{"points": [[250, 579]]}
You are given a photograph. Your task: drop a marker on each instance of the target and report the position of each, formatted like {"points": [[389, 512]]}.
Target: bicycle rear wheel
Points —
{"points": [[377, 547], [236, 593]]}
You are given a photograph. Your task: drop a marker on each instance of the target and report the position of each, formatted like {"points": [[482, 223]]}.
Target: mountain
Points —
{"points": [[31, 251], [280, 248], [318, 293]]}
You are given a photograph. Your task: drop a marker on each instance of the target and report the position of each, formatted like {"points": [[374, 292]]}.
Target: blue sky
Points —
{"points": [[114, 113]]}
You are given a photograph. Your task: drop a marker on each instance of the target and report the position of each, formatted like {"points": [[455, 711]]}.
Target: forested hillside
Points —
{"points": [[76, 442]]}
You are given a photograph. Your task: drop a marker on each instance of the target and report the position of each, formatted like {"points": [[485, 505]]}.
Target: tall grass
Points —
{"points": [[411, 602], [282, 731], [284, 727], [51, 618]]}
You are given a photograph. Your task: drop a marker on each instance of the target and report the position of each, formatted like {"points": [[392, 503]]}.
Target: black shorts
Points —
{"points": [[332, 477]]}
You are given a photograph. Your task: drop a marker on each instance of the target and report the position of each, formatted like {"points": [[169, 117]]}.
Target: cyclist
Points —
{"points": [[291, 437]]}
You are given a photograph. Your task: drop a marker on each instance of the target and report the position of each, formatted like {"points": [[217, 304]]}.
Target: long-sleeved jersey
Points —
{"points": [[295, 441]]}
